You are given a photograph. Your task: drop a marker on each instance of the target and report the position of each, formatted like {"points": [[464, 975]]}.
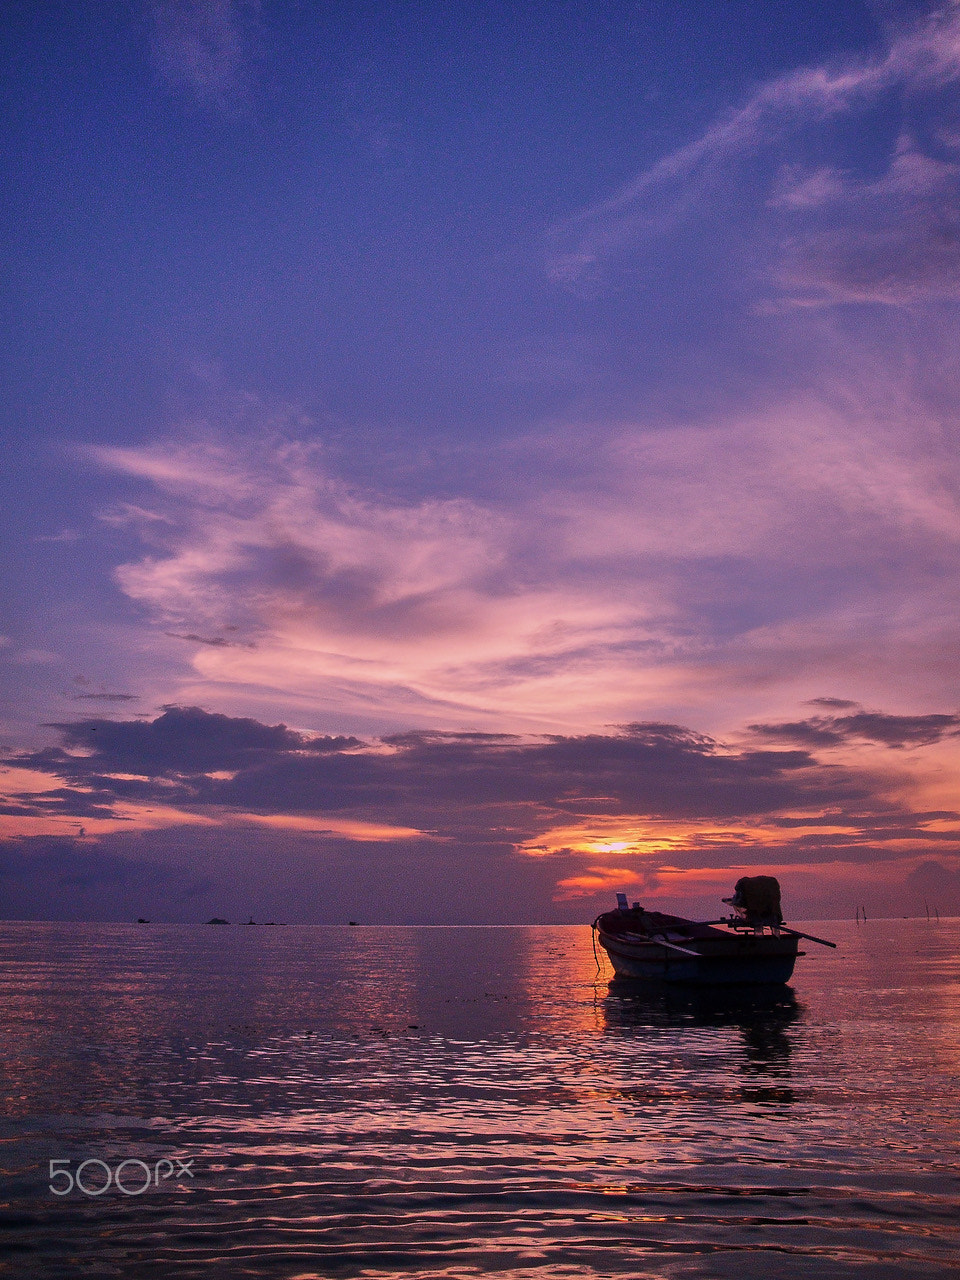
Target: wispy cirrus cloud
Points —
{"points": [[628, 578], [894, 240], [433, 608], [201, 47], [817, 230]]}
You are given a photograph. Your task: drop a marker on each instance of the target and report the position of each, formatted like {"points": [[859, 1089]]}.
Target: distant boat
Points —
{"points": [[752, 945]]}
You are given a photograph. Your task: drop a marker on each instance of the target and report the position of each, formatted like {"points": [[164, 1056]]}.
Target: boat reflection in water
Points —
{"points": [[759, 1010], [758, 1058]]}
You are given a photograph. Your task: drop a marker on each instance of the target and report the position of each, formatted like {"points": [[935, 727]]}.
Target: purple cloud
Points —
{"points": [[441, 781], [869, 726], [647, 804]]}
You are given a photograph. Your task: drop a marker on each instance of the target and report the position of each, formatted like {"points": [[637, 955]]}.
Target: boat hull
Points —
{"points": [[727, 961]]}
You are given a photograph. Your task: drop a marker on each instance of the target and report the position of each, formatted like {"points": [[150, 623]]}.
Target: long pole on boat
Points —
{"points": [[783, 929], [662, 942], [809, 936]]}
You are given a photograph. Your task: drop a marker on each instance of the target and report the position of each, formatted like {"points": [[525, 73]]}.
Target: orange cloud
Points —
{"points": [[595, 880], [323, 825], [123, 818]]}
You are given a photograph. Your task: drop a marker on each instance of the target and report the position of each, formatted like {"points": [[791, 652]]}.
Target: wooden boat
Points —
{"points": [[743, 947]]}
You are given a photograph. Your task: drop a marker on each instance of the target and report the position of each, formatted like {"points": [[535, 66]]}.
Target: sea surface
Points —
{"points": [[448, 1102]]}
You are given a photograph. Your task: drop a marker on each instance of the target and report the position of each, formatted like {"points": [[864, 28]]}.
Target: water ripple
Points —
{"points": [[396, 1105]]}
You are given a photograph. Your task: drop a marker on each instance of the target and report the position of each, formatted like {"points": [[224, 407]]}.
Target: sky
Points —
{"points": [[464, 461]]}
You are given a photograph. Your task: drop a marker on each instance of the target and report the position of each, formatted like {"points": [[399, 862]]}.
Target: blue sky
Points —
{"points": [[399, 369]]}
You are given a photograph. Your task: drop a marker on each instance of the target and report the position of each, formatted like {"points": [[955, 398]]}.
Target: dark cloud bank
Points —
{"points": [[861, 726], [474, 797], [429, 780]]}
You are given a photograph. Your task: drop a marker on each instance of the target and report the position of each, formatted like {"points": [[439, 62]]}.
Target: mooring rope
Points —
{"points": [[593, 936]]}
